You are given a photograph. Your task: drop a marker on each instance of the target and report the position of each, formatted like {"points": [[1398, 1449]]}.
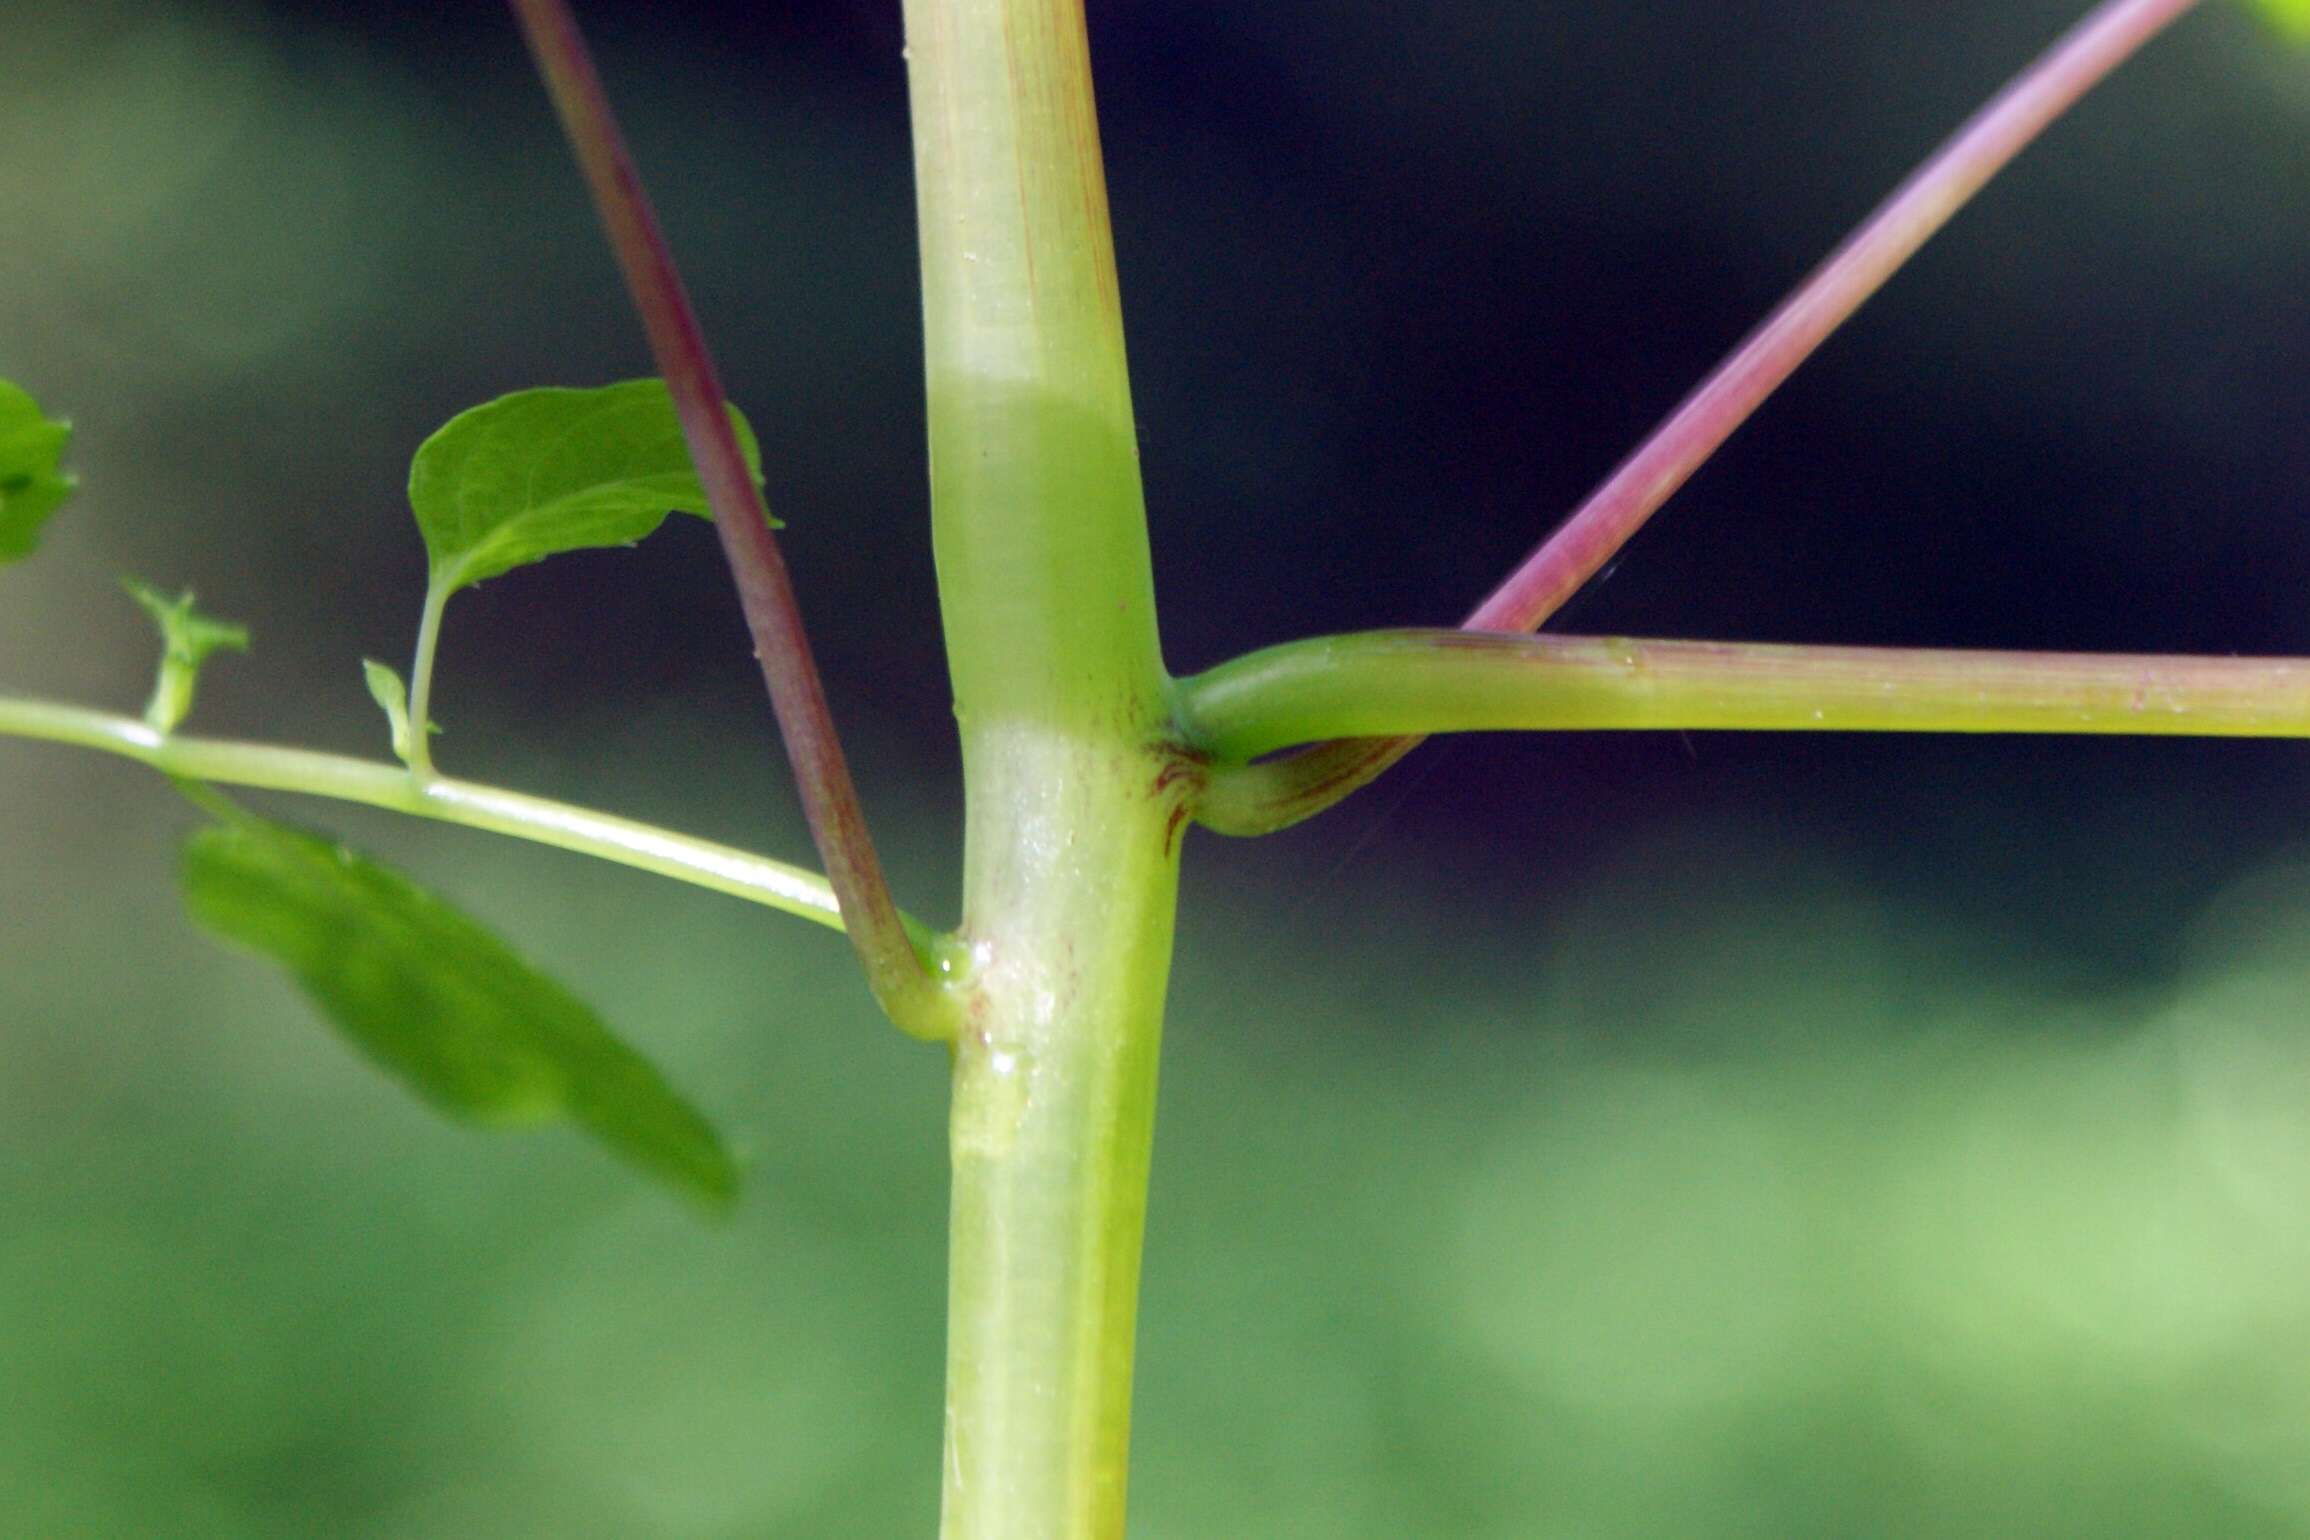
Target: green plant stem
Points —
{"points": [[421, 680], [911, 995], [1052, 1130], [1257, 799], [1037, 514], [702, 863], [1381, 683], [1075, 797]]}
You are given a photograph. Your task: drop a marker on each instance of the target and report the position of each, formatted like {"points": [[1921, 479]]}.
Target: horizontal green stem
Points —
{"points": [[703, 863], [1385, 683]]}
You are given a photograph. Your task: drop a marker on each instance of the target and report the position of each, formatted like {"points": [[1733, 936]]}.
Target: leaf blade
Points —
{"points": [[540, 472], [32, 483], [439, 1002]]}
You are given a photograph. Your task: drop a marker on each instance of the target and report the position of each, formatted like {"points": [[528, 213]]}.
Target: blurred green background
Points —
{"points": [[1608, 1137]]}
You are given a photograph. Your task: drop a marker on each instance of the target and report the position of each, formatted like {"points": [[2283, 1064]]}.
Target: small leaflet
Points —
{"points": [[440, 1003], [392, 697], [32, 485], [187, 638], [544, 471]]}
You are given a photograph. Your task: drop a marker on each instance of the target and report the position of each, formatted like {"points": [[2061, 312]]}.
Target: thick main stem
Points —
{"points": [[1076, 801], [1075, 851]]}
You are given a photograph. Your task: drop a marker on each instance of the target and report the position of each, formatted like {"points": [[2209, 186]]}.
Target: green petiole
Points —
{"points": [[420, 736]]}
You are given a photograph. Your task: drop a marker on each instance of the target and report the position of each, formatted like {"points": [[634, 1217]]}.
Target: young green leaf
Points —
{"points": [[2291, 17], [187, 638], [438, 1001], [392, 697], [540, 472], [31, 485]]}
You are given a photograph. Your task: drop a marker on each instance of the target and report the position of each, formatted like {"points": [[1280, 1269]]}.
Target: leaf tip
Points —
{"points": [[716, 1199], [440, 1003]]}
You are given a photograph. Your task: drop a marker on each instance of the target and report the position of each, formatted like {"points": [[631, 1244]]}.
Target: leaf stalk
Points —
{"points": [[419, 742]]}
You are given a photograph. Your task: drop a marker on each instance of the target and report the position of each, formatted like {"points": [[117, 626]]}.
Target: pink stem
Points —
{"points": [[1855, 270], [765, 592]]}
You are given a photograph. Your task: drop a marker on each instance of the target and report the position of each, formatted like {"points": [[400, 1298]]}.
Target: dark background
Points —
{"points": [[1401, 284]]}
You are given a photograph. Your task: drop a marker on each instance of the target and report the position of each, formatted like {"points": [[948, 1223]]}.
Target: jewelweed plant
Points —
{"points": [[1086, 762]]}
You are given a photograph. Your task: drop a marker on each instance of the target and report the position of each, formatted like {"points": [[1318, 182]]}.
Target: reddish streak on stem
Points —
{"points": [[765, 592], [1307, 783]]}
